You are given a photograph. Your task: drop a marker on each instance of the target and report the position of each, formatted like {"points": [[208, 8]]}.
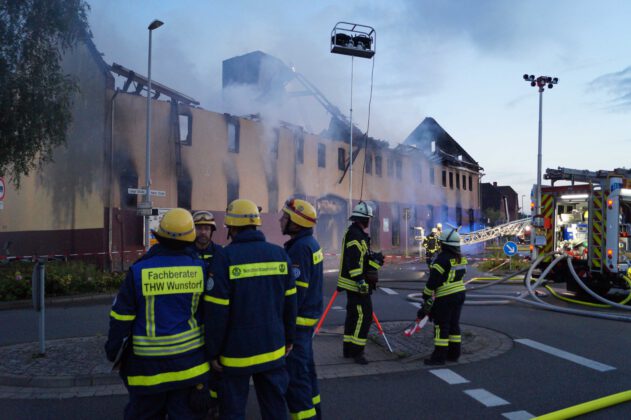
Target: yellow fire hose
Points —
{"points": [[587, 407]]}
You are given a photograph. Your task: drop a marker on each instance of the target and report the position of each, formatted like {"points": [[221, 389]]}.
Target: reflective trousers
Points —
{"points": [[357, 324], [303, 394], [173, 403], [446, 313], [270, 387]]}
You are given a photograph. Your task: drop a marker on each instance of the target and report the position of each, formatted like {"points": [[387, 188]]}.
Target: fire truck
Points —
{"points": [[590, 220]]}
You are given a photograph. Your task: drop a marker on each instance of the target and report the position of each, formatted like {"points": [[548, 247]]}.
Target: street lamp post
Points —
{"points": [[523, 211], [541, 82], [148, 205]]}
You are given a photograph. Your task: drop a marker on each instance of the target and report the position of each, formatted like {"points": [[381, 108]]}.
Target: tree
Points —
{"points": [[35, 94]]}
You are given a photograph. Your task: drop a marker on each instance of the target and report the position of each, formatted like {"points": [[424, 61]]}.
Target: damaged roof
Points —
{"points": [[447, 150]]}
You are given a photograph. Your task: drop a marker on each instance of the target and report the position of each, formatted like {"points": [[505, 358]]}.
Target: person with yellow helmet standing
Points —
{"points": [[155, 321], [205, 226], [443, 297], [298, 217], [205, 248], [357, 276], [250, 315]]}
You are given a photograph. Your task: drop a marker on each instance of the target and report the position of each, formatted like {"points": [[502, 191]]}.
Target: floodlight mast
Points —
{"points": [[354, 40], [541, 82]]}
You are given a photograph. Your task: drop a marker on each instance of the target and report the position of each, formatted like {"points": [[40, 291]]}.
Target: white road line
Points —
{"points": [[518, 415], [415, 304], [592, 364], [389, 291], [449, 376], [485, 398]]}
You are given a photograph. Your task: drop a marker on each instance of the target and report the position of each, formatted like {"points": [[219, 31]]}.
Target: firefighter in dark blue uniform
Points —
{"points": [[443, 297], [205, 226], [358, 276], [204, 246], [250, 316], [297, 220], [155, 323]]}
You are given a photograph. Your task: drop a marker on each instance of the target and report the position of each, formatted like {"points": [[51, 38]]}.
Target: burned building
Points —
{"points": [[83, 203], [501, 200]]}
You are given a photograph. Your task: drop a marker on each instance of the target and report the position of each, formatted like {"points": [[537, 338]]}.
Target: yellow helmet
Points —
{"points": [[300, 212], [242, 212], [204, 217], [177, 224]]}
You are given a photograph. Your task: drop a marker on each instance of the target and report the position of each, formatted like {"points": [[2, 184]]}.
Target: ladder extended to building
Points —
{"points": [[507, 229]]}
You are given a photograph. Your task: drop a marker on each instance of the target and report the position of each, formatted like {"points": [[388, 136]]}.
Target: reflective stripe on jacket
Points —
{"points": [[250, 305], [307, 257], [446, 276], [158, 305], [354, 249]]}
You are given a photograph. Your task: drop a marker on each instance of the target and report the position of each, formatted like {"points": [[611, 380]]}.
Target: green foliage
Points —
{"points": [[62, 279], [35, 94], [498, 263]]}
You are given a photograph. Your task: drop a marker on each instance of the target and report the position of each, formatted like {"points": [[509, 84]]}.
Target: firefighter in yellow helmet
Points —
{"points": [[205, 226], [155, 324], [298, 217], [250, 315], [358, 277]]}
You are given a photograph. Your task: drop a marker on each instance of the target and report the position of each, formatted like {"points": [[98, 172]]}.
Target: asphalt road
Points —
{"points": [[585, 358]]}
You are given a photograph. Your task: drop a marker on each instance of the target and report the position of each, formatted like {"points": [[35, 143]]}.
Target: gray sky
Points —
{"points": [[460, 62]]}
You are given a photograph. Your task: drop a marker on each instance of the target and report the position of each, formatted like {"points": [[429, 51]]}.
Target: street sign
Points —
{"points": [[510, 248], [156, 193], [136, 191], [1, 189]]}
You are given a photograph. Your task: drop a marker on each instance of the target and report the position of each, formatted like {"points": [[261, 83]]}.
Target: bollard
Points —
{"points": [[38, 294]]}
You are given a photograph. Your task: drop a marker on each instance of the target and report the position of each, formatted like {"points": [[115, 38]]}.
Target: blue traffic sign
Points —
{"points": [[510, 248]]}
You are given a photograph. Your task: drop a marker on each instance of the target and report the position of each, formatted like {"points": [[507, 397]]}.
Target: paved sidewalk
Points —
{"points": [[76, 367]]}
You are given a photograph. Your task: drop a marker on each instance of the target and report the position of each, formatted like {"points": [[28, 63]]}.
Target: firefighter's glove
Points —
{"points": [[199, 399], [426, 309], [363, 287]]}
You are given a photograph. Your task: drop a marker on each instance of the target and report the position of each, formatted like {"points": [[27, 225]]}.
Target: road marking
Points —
{"points": [[485, 398], [518, 415], [601, 367], [416, 304], [449, 376], [389, 291]]}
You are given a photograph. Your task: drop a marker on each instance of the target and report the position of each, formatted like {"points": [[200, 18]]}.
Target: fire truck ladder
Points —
{"points": [[483, 235]]}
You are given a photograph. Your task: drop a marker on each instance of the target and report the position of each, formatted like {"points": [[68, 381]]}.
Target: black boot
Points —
{"points": [[438, 357], [360, 359], [453, 352]]}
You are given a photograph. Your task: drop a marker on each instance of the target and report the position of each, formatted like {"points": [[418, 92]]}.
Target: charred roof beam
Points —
{"points": [[158, 88]]}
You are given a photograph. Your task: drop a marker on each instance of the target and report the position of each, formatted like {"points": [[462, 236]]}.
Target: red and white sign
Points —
{"points": [[1, 189]]}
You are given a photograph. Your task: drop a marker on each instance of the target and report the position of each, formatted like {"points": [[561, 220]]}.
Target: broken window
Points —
{"points": [[186, 127], [368, 163], [275, 141], [233, 136], [399, 166], [464, 182], [300, 148], [378, 165], [321, 155], [459, 216], [457, 181], [341, 158], [390, 164], [451, 180], [432, 179], [470, 183], [444, 178]]}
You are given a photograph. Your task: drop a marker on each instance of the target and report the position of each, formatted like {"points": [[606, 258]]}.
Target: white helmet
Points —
{"points": [[439, 226], [450, 237], [362, 210], [434, 230]]}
